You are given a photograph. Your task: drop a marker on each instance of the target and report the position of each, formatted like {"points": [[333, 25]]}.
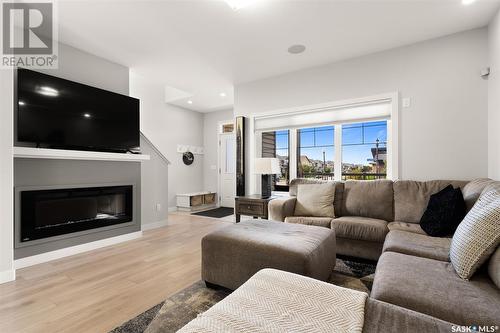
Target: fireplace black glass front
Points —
{"points": [[47, 213]]}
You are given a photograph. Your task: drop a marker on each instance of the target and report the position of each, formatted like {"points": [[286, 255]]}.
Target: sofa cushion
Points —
{"points": [[370, 198], [445, 211], [477, 236], [405, 226], [382, 317], [339, 190], [310, 220], [411, 197], [360, 228], [432, 287], [494, 267], [472, 190], [417, 245], [315, 200]]}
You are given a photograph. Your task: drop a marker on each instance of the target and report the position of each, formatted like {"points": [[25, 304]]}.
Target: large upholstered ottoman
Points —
{"points": [[231, 255]]}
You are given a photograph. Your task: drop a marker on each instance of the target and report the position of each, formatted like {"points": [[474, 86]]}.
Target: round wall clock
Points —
{"points": [[188, 158]]}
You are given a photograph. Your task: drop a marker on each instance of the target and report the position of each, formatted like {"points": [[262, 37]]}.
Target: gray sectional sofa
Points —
{"points": [[415, 289], [379, 220], [365, 211]]}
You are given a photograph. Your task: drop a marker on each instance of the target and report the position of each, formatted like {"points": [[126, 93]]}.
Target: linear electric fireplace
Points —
{"points": [[47, 213]]}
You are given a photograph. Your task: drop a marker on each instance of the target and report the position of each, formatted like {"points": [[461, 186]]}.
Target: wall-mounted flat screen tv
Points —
{"points": [[58, 113]]}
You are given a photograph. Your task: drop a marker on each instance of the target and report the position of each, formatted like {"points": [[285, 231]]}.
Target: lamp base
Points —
{"points": [[266, 186]]}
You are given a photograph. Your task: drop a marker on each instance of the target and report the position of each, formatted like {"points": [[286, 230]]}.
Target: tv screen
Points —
{"points": [[58, 113]]}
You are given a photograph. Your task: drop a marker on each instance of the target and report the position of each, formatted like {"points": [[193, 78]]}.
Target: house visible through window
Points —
{"points": [[364, 151], [315, 152], [276, 144]]}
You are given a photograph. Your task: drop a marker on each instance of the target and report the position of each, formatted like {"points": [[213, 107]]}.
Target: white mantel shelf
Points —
{"points": [[63, 154]]}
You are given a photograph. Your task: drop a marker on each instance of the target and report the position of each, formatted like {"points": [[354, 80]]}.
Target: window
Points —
{"points": [[355, 139], [276, 144], [315, 152], [364, 151]]}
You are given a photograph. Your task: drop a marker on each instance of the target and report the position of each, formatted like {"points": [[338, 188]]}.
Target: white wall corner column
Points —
{"points": [[393, 139], [7, 271]]}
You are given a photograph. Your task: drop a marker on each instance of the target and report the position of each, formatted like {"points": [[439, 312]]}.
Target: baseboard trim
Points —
{"points": [[154, 225], [172, 209], [7, 276], [72, 250]]}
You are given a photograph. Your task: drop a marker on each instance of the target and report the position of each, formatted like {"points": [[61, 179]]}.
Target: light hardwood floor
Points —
{"points": [[99, 290]]}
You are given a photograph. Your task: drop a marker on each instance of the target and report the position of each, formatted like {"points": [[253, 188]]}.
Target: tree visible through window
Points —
{"points": [[276, 144], [315, 152], [364, 150]]}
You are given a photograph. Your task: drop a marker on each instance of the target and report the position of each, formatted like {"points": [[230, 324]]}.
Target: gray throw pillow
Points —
{"points": [[315, 200], [477, 236]]}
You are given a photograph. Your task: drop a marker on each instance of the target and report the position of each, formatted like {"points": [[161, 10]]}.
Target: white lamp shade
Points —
{"points": [[267, 166]]}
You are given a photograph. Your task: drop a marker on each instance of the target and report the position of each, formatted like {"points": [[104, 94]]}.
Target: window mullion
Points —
{"points": [[292, 153], [337, 141]]}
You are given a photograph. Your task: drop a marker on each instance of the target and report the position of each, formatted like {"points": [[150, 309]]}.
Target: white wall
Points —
{"points": [[154, 185], [80, 66], [6, 177], [442, 135], [210, 137], [494, 99], [167, 126]]}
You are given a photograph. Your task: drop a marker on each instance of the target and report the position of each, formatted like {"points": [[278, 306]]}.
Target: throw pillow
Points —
{"points": [[445, 211], [315, 200], [477, 236]]}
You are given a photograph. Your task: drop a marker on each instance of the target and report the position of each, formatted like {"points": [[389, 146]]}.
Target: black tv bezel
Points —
{"points": [[18, 143]]}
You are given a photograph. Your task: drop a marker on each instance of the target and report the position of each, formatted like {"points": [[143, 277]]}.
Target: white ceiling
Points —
{"points": [[204, 48]]}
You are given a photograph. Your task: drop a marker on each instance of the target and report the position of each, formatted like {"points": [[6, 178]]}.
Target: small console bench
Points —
{"points": [[190, 202]]}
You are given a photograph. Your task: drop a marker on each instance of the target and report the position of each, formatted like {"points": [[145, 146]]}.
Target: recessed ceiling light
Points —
{"points": [[87, 115], [239, 4], [222, 94], [21, 103], [468, 2], [48, 91], [190, 102], [296, 49]]}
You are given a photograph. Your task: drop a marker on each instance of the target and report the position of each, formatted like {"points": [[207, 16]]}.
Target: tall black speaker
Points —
{"points": [[240, 155]]}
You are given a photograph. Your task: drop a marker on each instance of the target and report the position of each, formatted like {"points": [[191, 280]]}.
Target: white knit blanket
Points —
{"points": [[277, 301]]}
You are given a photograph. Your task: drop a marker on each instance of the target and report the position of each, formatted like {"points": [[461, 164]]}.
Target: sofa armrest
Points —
{"points": [[281, 208]]}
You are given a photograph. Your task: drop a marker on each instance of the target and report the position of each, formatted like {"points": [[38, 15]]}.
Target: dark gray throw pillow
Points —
{"points": [[445, 211]]}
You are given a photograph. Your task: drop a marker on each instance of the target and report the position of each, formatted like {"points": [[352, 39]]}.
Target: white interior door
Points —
{"points": [[227, 169]]}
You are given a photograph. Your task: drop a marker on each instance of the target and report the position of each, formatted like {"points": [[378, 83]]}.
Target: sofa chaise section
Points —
{"points": [[432, 287]]}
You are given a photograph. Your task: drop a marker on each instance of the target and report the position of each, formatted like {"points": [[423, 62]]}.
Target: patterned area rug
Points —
{"points": [[181, 308]]}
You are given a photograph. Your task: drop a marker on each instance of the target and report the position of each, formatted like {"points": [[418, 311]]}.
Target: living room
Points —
{"points": [[250, 165]]}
